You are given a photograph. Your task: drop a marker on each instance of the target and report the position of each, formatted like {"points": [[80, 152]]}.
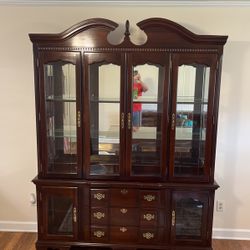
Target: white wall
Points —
{"points": [[18, 136]]}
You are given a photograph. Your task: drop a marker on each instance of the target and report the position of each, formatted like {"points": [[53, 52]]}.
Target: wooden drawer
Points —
{"points": [[149, 217], [99, 216], [124, 216], [124, 234], [150, 198], [123, 197], [99, 197], [99, 234]]}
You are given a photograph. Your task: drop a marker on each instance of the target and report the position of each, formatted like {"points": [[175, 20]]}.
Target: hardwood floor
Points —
{"points": [[17, 241], [26, 241]]}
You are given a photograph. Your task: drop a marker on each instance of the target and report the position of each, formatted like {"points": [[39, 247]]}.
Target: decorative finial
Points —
{"points": [[127, 33]]}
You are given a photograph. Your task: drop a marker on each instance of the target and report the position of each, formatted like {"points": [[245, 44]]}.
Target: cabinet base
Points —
{"points": [[94, 246]]}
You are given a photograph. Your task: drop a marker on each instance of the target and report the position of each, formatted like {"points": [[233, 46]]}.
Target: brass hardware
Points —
{"points": [[173, 218], [149, 217], [99, 196], [122, 120], [173, 121], [74, 215], [123, 229], [149, 197], [129, 120], [148, 235], [99, 234], [124, 191], [79, 119], [124, 210], [99, 215]]}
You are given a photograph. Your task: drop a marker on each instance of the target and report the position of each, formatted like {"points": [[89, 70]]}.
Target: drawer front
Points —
{"points": [[124, 216], [99, 197], [99, 234], [150, 198], [99, 216], [123, 197], [149, 217], [123, 234]]}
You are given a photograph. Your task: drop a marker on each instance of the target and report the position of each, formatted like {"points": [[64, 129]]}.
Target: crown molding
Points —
{"points": [[191, 3]]}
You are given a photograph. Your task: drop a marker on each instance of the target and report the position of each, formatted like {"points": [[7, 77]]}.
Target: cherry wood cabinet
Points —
{"points": [[126, 137]]}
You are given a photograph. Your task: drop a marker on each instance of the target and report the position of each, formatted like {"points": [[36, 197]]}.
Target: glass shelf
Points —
{"points": [[60, 99], [105, 100], [191, 99]]}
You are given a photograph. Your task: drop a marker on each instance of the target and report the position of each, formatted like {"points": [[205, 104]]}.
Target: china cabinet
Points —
{"points": [[126, 137]]}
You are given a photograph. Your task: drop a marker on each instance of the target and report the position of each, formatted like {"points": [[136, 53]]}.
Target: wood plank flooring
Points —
{"points": [[26, 241]]}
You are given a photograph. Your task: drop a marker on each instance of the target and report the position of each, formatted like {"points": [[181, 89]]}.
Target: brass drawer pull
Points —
{"points": [[122, 120], [99, 215], [99, 234], [79, 119], [129, 120], [149, 197], [173, 121], [99, 196], [124, 210], [148, 235], [124, 191], [173, 218], [123, 229], [149, 217], [74, 215]]}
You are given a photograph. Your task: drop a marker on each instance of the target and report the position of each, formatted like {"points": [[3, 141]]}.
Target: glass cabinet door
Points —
{"points": [[59, 212], [146, 115], [105, 109], [60, 83], [191, 121], [189, 217]]}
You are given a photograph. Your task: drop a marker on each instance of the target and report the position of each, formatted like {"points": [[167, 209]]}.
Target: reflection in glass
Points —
{"points": [[189, 213], [104, 118], [191, 115], [60, 102], [60, 219], [146, 119]]}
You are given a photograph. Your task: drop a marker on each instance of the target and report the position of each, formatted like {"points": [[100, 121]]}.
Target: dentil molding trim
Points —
{"points": [[191, 3]]}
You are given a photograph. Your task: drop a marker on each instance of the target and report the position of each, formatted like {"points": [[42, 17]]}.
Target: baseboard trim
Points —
{"points": [[232, 234], [218, 233], [18, 226]]}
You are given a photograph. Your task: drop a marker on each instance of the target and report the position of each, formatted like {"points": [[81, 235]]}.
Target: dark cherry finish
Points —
{"points": [[118, 189]]}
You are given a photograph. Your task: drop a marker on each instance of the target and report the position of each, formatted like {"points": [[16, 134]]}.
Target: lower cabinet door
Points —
{"points": [[59, 209], [189, 223]]}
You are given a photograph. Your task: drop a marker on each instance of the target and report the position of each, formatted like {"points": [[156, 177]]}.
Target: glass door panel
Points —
{"points": [[191, 120], [189, 216], [147, 92], [105, 88], [61, 127], [60, 212], [60, 215]]}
